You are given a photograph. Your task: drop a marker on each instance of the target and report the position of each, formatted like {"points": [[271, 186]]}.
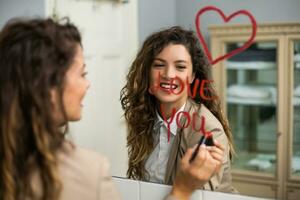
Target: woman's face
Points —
{"points": [[75, 88], [173, 62]]}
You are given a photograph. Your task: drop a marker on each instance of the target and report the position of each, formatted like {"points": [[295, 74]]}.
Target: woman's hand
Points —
{"points": [[193, 175], [217, 152]]}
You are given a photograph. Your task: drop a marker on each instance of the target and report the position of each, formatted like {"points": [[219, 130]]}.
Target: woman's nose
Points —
{"points": [[169, 72]]}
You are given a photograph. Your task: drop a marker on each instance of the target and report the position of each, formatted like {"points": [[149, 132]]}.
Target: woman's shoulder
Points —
{"points": [[212, 123], [82, 157], [85, 164], [82, 154], [203, 111], [81, 171]]}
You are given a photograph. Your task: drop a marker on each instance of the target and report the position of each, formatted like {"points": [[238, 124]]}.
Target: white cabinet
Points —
{"points": [[260, 94]]}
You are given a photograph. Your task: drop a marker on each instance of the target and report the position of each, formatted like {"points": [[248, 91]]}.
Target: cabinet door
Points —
{"points": [[251, 98], [109, 42], [295, 159]]}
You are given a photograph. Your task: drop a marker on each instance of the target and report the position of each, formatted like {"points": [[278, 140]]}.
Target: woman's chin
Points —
{"points": [[168, 99], [75, 118]]}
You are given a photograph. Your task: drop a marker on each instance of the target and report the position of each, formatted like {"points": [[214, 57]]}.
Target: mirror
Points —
{"points": [[112, 33]]}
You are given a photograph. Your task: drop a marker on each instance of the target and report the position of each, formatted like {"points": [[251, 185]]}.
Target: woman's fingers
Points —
{"points": [[187, 156], [217, 152], [208, 157], [217, 157], [215, 149], [199, 158], [219, 145], [203, 162]]}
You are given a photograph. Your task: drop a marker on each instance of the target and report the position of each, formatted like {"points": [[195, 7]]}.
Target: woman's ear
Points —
{"points": [[193, 78], [54, 96], [150, 90]]}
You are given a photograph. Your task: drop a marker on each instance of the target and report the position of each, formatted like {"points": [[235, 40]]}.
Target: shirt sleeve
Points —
{"points": [[221, 181]]}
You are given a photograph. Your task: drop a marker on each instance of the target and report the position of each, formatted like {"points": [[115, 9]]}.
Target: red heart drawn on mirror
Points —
{"points": [[225, 19]]}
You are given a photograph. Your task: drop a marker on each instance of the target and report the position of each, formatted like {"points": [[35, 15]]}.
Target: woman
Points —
{"points": [[164, 109], [42, 85]]}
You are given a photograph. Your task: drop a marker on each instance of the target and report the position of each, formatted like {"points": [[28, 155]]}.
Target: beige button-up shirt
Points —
{"points": [[85, 175]]}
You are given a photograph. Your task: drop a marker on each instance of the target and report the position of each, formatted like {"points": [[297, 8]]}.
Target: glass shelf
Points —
{"points": [[252, 106], [295, 162]]}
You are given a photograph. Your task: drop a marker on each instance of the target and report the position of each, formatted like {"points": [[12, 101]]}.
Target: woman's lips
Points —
{"points": [[168, 86]]}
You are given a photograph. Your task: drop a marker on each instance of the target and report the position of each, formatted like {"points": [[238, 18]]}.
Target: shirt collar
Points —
{"points": [[173, 125]]}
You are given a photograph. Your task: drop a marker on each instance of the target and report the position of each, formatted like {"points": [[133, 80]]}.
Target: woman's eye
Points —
{"points": [[181, 67], [158, 65]]}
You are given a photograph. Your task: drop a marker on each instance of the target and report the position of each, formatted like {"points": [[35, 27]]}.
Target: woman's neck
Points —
{"points": [[166, 109]]}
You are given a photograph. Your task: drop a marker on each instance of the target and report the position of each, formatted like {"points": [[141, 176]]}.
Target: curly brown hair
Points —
{"points": [[140, 106], [34, 57]]}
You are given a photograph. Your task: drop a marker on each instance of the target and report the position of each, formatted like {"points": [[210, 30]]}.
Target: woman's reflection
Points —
{"points": [[166, 57]]}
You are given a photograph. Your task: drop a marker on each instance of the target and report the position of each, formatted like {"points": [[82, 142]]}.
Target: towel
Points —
{"points": [[297, 91], [255, 92], [249, 101], [259, 164], [296, 164], [266, 45], [296, 101], [297, 57], [251, 65]]}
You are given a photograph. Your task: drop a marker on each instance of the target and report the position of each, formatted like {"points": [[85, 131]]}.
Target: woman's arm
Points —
{"points": [[195, 174]]}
